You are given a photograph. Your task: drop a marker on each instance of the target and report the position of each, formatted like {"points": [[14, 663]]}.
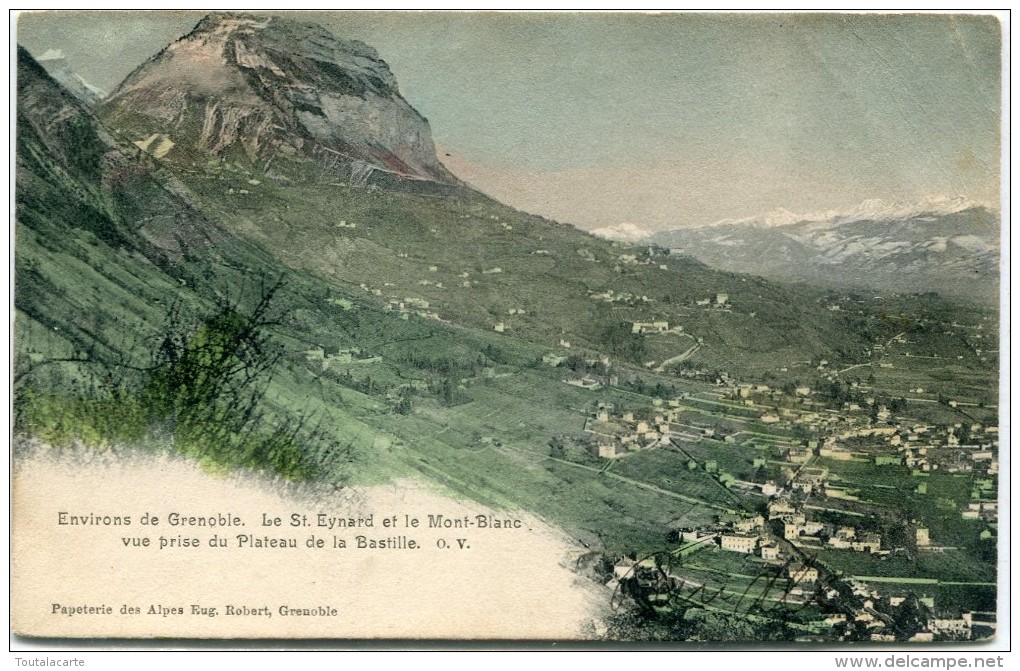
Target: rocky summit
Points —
{"points": [[271, 92]]}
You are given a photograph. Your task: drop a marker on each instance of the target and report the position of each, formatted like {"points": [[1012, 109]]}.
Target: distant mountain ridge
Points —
{"points": [[267, 91], [872, 209], [949, 246], [58, 67]]}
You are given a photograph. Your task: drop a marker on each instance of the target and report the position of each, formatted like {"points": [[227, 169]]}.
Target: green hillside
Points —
{"points": [[106, 272]]}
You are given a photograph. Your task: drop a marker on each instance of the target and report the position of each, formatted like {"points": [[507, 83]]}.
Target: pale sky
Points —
{"points": [[660, 121]]}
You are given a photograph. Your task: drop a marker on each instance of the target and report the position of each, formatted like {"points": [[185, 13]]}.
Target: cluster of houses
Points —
{"points": [[875, 606], [645, 328], [920, 452], [586, 382], [746, 535], [647, 571], [501, 326], [374, 292], [814, 418], [800, 531], [345, 356], [722, 300], [634, 260], [956, 448], [787, 529], [919, 447], [982, 510], [641, 256], [411, 305], [787, 520], [625, 297], [924, 458], [869, 610], [613, 435], [783, 533]]}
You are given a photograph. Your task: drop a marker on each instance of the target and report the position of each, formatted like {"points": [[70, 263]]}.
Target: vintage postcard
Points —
{"points": [[478, 326]]}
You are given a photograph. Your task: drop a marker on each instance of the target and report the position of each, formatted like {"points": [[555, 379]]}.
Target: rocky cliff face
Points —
{"points": [[73, 176], [265, 90]]}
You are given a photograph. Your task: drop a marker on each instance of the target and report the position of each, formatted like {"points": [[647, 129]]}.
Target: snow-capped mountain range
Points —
{"points": [[947, 245], [625, 232], [58, 67], [872, 209]]}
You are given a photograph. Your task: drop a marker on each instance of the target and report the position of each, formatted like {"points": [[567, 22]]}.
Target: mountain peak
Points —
{"points": [[57, 66], [259, 89], [871, 209], [51, 55], [309, 39], [945, 244]]}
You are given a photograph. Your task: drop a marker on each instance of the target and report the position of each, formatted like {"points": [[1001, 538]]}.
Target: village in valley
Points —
{"points": [[848, 500], [832, 497]]}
